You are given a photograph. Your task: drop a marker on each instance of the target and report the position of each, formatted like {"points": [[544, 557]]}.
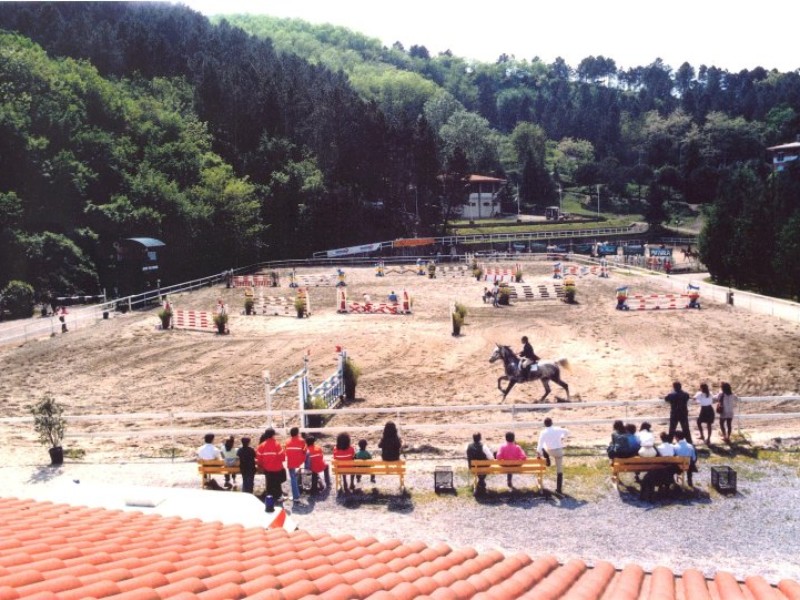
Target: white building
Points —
{"points": [[482, 201]]}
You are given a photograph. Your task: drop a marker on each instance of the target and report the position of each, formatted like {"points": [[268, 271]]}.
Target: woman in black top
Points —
{"points": [[390, 442]]}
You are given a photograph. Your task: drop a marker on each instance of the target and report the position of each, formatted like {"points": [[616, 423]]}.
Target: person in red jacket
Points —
{"points": [[344, 451], [295, 457], [269, 458], [318, 465]]}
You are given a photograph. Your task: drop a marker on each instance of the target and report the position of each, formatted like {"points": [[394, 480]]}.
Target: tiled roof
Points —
{"points": [[52, 550]]}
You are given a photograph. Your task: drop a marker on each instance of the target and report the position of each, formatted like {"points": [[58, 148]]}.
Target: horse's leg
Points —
{"points": [[511, 383], [546, 385], [563, 384]]}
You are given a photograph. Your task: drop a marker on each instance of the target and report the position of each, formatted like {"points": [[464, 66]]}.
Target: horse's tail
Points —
{"points": [[564, 363]]}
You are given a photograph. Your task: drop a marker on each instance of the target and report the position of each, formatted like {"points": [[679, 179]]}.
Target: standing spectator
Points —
{"points": [[495, 294], [247, 465], [678, 401], [295, 458], [551, 439], [229, 455], [647, 441], [317, 464], [510, 451], [704, 399], [390, 443], [726, 407], [684, 448], [344, 451], [363, 454], [477, 450], [62, 316], [665, 448], [270, 457]]}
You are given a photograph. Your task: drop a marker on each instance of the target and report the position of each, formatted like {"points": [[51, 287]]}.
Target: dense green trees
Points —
{"points": [[147, 119]]}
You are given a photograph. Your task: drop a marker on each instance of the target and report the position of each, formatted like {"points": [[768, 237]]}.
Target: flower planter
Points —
{"points": [[56, 456]]}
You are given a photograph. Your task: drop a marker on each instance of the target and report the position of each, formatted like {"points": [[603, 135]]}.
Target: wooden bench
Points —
{"points": [[641, 464], [529, 466], [207, 468], [368, 468]]}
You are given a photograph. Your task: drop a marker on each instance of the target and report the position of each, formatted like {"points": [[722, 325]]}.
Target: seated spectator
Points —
{"points": [[247, 465], [477, 450], [633, 440], [345, 451], [209, 451], [684, 448], [620, 443], [510, 451], [390, 443], [363, 454], [231, 460], [665, 448], [317, 464], [647, 441]]}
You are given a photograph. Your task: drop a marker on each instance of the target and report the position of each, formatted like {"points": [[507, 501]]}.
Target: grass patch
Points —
{"points": [[75, 453]]}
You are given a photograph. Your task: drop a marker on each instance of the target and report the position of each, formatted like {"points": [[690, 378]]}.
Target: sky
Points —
{"points": [[633, 33]]}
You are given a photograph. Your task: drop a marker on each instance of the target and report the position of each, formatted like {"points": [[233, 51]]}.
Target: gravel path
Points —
{"points": [[754, 532]]}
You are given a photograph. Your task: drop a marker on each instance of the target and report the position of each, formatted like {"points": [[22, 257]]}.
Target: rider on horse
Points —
{"points": [[527, 358]]}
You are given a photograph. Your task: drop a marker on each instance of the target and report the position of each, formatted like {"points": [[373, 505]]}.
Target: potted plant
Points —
{"points": [[221, 321], [351, 374], [478, 272], [458, 322], [49, 425], [316, 403], [569, 291], [504, 295], [518, 275], [165, 314], [249, 303], [300, 306]]}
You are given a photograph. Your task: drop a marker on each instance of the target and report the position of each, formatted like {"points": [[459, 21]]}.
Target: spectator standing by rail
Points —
{"points": [[726, 407], [551, 439], [678, 401], [705, 401]]}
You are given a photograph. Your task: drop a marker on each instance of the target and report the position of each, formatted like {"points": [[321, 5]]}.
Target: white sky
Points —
{"points": [[633, 33]]}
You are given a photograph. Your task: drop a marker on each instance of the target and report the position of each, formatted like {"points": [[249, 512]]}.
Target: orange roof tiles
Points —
{"points": [[59, 551]]}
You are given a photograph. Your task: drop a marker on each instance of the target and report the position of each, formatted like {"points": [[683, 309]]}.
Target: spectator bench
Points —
{"points": [[529, 466], [641, 464], [208, 468], [368, 468]]}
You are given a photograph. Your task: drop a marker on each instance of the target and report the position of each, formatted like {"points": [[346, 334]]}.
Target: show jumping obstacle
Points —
{"points": [[199, 320], [318, 280], [271, 280], [498, 274], [600, 270], [418, 269], [691, 299], [401, 307], [541, 291], [282, 305]]}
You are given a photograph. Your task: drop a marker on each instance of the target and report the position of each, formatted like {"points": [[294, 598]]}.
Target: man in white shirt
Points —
{"points": [[552, 439], [665, 448], [209, 451]]}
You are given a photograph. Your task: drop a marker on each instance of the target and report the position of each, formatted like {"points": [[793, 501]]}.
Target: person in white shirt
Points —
{"points": [[705, 401], [552, 439], [647, 441], [665, 448], [209, 451]]}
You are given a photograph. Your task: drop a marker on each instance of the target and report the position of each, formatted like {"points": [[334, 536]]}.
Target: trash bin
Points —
{"points": [[729, 298]]}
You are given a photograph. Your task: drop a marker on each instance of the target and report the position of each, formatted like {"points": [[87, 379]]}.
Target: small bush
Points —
{"points": [[316, 403], [461, 310], [17, 297], [300, 306], [249, 303], [458, 323], [48, 422], [478, 273], [221, 321], [351, 374], [504, 296], [165, 314], [518, 275]]}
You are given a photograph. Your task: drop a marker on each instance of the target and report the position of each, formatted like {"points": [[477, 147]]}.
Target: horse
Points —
{"points": [[547, 371]]}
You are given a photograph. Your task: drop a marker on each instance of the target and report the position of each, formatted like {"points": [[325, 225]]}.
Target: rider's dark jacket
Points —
{"points": [[527, 352]]}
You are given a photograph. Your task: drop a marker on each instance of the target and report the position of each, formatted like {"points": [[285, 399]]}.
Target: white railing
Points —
{"points": [[283, 419]]}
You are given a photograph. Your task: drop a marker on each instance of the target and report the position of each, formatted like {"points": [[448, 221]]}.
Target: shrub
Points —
{"points": [[17, 297], [518, 275], [165, 315], [504, 295], [458, 322], [300, 306], [461, 310], [48, 422], [316, 403], [478, 273], [351, 374], [221, 321], [249, 303]]}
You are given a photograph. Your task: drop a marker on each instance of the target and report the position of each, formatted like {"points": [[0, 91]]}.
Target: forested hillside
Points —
{"points": [[125, 119]]}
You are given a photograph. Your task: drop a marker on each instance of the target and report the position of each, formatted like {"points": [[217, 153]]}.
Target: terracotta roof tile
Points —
{"points": [[58, 551]]}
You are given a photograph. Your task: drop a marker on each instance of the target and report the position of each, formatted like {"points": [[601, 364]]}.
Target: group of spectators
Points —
{"points": [[726, 404], [282, 462], [550, 446]]}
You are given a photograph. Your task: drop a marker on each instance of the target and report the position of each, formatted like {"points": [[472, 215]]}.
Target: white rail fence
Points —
{"points": [[519, 418]]}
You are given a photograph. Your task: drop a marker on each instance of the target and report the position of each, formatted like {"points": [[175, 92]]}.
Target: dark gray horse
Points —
{"points": [[547, 371]]}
